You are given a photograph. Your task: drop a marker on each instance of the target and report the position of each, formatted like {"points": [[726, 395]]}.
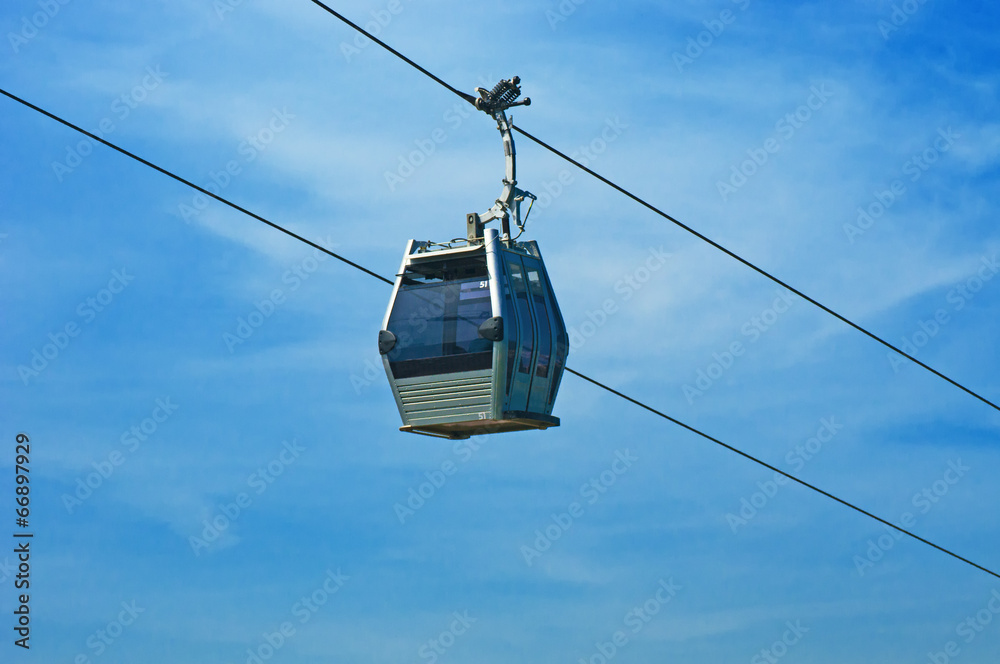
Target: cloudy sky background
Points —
{"points": [[199, 79]]}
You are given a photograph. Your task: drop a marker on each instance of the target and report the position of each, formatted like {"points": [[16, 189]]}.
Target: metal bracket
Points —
{"points": [[495, 102], [492, 329], [386, 341], [473, 226]]}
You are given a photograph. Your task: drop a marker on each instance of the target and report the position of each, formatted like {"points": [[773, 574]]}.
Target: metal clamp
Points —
{"points": [[503, 95], [495, 102]]}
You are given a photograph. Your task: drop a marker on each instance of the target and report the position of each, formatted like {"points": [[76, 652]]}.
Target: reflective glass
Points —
{"points": [[525, 332], [542, 314], [437, 328]]}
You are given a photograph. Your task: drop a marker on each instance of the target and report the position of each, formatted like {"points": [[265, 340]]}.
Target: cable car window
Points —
{"points": [[561, 346], [523, 314], [557, 365], [542, 312], [510, 331], [437, 327], [445, 270]]}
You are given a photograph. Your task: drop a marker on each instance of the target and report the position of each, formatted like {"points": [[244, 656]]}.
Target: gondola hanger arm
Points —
{"points": [[495, 103]]}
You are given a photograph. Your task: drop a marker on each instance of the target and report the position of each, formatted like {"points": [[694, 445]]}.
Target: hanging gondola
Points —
{"points": [[473, 341]]}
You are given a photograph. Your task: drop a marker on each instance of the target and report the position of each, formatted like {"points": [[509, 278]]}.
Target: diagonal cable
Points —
{"points": [[813, 487], [467, 97], [570, 370], [191, 184], [666, 216]]}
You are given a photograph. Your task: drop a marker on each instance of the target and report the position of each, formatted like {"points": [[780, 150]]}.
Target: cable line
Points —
{"points": [[760, 462], [668, 217], [570, 370], [757, 269], [192, 185], [467, 97]]}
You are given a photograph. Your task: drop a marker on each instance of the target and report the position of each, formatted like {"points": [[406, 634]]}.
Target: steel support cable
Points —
{"points": [[570, 370], [666, 216], [191, 184], [467, 97], [759, 270], [795, 479]]}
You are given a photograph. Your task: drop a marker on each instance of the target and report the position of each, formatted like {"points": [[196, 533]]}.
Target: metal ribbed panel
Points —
{"points": [[447, 398]]}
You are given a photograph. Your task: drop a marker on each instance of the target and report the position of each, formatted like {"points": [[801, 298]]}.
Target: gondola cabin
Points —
{"points": [[473, 341]]}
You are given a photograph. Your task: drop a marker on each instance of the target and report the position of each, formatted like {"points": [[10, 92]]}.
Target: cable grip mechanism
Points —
{"points": [[495, 102], [503, 95]]}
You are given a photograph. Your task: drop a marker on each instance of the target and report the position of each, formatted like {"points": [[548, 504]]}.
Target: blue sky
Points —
{"points": [[289, 439]]}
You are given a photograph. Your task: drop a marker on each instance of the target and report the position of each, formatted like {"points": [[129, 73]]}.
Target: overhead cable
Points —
{"points": [[570, 370], [653, 208]]}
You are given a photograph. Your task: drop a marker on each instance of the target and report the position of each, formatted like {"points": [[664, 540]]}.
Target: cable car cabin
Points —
{"points": [[473, 341]]}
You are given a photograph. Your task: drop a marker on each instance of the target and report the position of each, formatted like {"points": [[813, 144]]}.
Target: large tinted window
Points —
{"points": [[525, 333], [560, 344], [537, 290], [510, 330], [437, 327]]}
